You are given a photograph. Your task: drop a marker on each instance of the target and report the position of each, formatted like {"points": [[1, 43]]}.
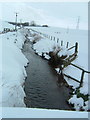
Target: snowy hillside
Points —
{"points": [[4, 24]]}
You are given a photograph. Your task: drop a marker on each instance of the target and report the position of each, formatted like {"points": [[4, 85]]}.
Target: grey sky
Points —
{"points": [[65, 11], [61, 14]]}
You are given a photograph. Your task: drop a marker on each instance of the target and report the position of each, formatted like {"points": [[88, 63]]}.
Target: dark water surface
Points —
{"points": [[40, 86]]}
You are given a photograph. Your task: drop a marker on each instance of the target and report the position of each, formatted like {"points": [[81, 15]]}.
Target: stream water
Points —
{"points": [[40, 86]]}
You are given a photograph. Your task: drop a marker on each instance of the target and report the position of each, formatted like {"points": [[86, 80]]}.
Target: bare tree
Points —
{"points": [[32, 23]]}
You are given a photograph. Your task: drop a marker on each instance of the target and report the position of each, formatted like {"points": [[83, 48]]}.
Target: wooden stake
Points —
{"points": [[54, 39], [61, 43], [76, 47], [57, 40], [82, 77], [67, 44]]}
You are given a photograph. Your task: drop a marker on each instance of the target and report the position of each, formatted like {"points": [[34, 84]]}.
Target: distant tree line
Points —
{"points": [[19, 24], [32, 23]]}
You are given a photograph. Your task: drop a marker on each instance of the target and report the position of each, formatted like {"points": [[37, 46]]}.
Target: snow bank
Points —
{"points": [[41, 113], [78, 102], [44, 46], [13, 71]]}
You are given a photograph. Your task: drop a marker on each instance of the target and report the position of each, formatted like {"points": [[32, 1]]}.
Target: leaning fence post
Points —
{"points": [[82, 77], [76, 47]]}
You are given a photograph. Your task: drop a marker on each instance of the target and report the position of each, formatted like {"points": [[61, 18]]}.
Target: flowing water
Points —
{"points": [[41, 84]]}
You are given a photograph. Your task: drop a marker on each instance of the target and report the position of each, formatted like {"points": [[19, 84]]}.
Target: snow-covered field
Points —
{"points": [[12, 70], [45, 45]]}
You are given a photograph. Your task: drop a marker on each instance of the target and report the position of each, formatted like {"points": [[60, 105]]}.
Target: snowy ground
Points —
{"points": [[41, 113], [12, 70], [45, 45]]}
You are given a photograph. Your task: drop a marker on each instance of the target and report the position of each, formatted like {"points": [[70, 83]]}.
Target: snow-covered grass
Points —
{"points": [[12, 69], [45, 45]]}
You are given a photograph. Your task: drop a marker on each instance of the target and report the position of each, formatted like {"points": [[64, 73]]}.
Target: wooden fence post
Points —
{"points": [[76, 47], [61, 43], [54, 39], [67, 44], [57, 40], [82, 77]]}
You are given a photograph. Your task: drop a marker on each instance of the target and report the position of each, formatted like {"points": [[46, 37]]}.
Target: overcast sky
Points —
{"points": [[61, 14]]}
